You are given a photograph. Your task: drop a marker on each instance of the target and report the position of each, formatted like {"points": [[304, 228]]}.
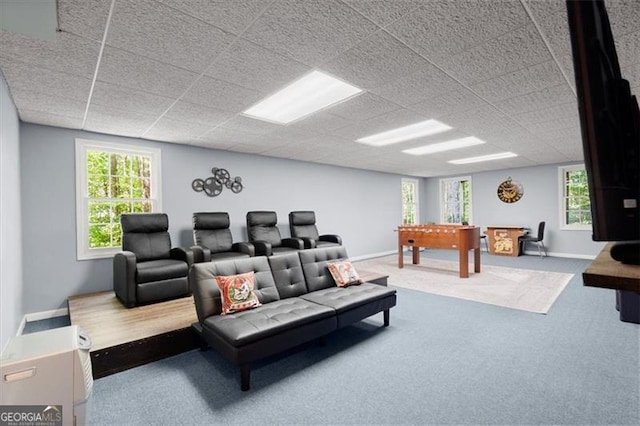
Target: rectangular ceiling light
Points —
{"points": [[444, 146], [412, 131], [484, 158], [307, 95]]}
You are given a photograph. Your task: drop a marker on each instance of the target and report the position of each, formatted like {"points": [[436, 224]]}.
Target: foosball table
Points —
{"points": [[453, 237]]}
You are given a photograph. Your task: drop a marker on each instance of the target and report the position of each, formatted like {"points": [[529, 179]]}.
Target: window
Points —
{"points": [[455, 200], [575, 206], [410, 211], [112, 179]]}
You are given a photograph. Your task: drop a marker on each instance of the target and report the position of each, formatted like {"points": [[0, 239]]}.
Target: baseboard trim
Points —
{"points": [[567, 255], [374, 255]]}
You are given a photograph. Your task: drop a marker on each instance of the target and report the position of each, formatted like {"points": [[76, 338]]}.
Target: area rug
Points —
{"points": [[523, 289]]}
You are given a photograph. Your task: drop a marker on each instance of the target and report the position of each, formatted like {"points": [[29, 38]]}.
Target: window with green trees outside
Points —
{"points": [[575, 203], [113, 179]]}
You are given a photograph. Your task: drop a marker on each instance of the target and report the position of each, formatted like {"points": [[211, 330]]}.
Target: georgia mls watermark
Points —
{"points": [[30, 415]]}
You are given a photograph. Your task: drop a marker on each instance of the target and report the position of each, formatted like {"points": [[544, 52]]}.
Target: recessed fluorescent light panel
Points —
{"points": [[484, 158], [413, 131], [311, 93], [444, 146]]}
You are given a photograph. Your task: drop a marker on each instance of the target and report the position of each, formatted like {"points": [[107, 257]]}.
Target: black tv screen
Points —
{"points": [[609, 122]]}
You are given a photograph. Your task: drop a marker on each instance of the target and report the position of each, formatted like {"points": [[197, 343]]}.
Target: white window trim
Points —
{"points": [[417, 197], [82, 223], [441, 196], [561, 195]]}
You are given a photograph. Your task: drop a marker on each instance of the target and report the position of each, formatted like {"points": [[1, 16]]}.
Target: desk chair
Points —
{"points": [[534, 239]]}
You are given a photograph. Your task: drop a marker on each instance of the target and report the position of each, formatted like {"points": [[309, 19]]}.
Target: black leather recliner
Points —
{"points": [[303, 225], [213, 239], [264, 234], [148, 270]]}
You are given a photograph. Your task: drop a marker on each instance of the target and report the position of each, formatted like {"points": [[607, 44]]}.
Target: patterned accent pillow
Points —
{"points": [[344, 274], [236, 292]]}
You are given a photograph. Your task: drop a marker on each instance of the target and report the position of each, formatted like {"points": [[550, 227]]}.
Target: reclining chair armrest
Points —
{"points": [[124, 277], [182, 253], [263, 248], [200, 254], [309, 242], [295, 243], [244, 247], [332, 238]]}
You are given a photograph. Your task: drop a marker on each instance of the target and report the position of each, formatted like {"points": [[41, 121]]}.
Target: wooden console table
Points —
{"points": [[606, 272], [503, 240], [457, 237]]}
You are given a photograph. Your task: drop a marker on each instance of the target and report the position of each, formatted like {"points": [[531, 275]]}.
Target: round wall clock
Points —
{"points": [[510, 191]]}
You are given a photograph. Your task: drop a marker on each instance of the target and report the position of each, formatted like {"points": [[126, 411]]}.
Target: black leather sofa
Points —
{"points": [[302, 224], [300, 303], [263, 233]]}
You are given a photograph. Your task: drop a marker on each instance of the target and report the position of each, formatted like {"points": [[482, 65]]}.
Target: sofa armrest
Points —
{"points": [[244, 247], [182, 253], [309, 242], [263, 248], [295, 243], [200, 254], [331, 238], [124, 277]]}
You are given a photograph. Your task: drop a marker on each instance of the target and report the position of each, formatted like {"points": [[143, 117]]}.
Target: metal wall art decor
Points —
{"points": [[510, 191], [213, 186]]}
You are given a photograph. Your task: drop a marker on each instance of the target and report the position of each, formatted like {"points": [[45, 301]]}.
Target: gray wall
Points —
{"points": [[361, 206], [10, 238], [539, 202]]}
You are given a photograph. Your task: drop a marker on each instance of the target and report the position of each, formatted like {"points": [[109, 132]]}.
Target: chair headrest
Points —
{"points": [[262, 218], [211, 220], [144, 222], [302, 218]]}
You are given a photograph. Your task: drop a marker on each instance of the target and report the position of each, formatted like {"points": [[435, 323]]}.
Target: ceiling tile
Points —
{"points": [[230, 15], [23, 76], [249, 65], [222, 95], [391, 120], [117, 122], [562, 111], [84, 18], [33, 101], [170, 130], [449, 103], [321, 122], [363, 107], [378, 60], [624, 16], [520, 82], [48, 119], [137, 72], [193, 113], [309, 31], [250, 125], [67, 53], [127, 99], [538, 100], [459, 25], [142, 26], [383, 12], [628, 48], [505, 54]]}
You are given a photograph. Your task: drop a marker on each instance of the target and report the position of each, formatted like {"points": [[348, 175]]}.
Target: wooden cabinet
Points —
{"points": [[503, 240]]}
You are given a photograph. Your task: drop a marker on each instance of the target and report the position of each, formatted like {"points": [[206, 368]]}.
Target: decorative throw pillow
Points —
{"points": [[344, 273], [236, 292]]}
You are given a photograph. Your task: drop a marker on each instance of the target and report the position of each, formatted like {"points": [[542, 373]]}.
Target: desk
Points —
{"points": [[605, 272], [457, 237], [503, 240]]}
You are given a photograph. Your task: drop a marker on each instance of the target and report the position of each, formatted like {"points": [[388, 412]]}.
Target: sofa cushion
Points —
{"points": [[236, 292], [343, 273], [345, 298], [245, 327], [157, 270], [287, 273], [314, 266]]}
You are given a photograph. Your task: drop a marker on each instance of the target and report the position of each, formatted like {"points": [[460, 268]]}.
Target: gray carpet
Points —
{"points": [[525, 289], [441, 361]]}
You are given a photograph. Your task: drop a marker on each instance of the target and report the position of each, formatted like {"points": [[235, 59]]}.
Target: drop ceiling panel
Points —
{"points": [[22, 76], [57, 105], [175, 131], [127, 99], [84, 18], [220, 94], [363, 107], [459, 25], [538, 100], [154, 30], [49, 119], [117, 122], [130, 70], [194, 113], [249, 65], [310, 32], [562, 111], [383, 12], [230, 15], [449, 103], [67, 53]]}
